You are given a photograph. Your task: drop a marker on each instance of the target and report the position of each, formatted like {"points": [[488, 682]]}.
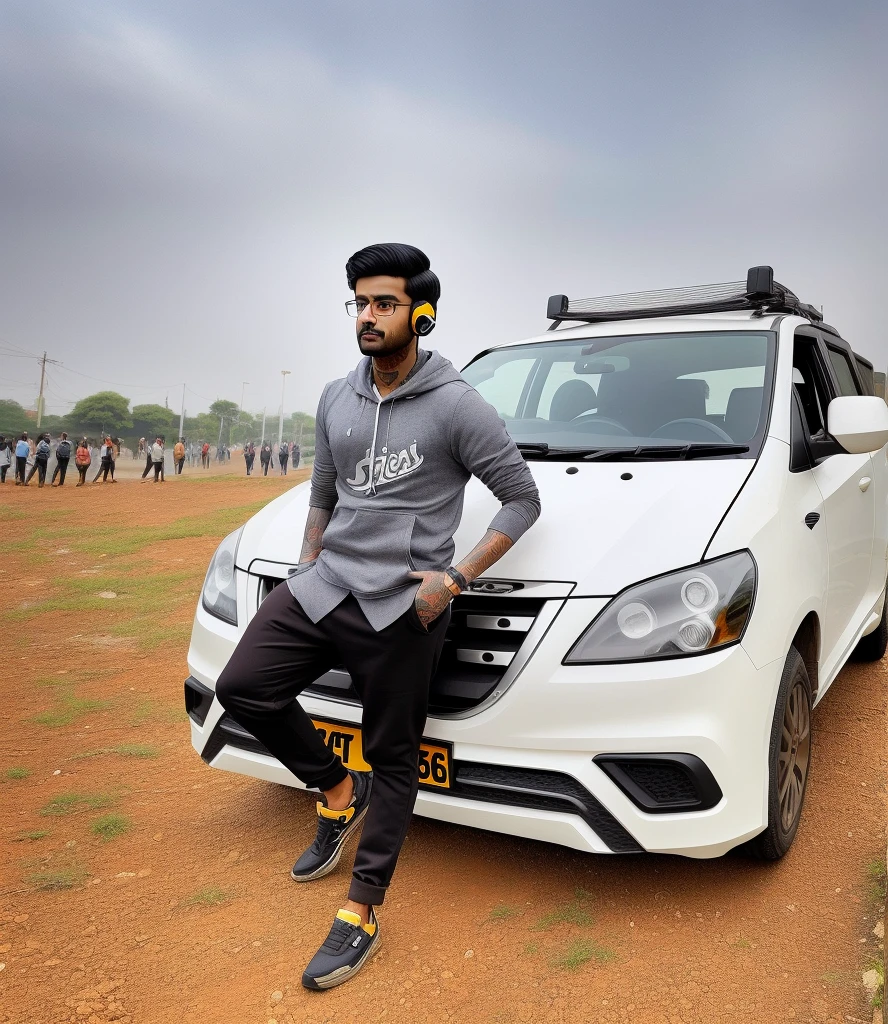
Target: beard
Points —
{"points": [[383, 343]]}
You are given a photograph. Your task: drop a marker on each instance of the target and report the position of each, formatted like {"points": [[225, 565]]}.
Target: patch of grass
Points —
{"points": [[150, 710], [877, 880], [67, 803], [580, 952], [30, 836], [110, 826], [502, 912], [17, 772], [530, 948], [211, 896], [123, 749], [129, 541], [742, 943], [67, 877], [568, 913], [68, 709]]}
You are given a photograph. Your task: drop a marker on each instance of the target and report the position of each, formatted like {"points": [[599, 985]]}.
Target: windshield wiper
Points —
{"points": [[541, 450], [648, 453]]}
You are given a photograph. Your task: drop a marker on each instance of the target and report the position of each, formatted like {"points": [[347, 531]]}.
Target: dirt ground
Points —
{"points": [[139, 885]]}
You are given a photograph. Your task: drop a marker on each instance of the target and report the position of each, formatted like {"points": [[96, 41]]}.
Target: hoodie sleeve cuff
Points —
{"points": [[511, 522]]}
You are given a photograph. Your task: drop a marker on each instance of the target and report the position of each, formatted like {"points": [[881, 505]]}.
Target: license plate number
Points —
{"points": [[346, 741]]}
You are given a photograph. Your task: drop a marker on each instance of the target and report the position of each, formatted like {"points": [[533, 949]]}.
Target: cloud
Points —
{"points": [[181, 185]]}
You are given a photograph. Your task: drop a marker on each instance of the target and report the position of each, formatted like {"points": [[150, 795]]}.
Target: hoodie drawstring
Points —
{"points": [[373, 442], [373, 450]]}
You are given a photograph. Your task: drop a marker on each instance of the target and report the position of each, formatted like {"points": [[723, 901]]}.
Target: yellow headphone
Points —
{"points": [[422, 318]]}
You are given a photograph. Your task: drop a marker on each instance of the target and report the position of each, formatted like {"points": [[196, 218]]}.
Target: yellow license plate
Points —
{"points": [[346, 741]]}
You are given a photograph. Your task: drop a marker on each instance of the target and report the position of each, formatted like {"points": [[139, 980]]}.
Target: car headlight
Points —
{"points": [[219, 596], [686, 612]]}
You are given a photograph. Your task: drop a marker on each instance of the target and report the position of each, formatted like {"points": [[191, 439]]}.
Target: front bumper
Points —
{"points": [[553, 721]]}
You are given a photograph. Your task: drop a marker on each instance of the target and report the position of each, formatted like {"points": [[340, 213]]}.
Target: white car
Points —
{"points": [[639, 673]]}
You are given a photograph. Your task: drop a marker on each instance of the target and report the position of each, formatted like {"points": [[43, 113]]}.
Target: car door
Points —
{"points": [[845, 483]]}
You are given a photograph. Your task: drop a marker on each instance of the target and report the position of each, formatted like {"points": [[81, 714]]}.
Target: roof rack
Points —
{"points": [[759, 293]]}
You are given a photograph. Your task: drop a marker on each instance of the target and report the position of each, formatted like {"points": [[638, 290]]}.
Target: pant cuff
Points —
{"points": [[363, 892], [338, 773]]}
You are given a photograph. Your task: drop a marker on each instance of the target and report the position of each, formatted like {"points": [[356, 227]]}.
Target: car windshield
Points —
{"points": [[669, 392]]}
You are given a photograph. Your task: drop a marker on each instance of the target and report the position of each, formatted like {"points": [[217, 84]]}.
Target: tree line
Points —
{"points": [[110, 413]]}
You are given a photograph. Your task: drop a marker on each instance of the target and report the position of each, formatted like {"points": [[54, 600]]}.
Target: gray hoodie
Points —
{"points": [[423, 441]]}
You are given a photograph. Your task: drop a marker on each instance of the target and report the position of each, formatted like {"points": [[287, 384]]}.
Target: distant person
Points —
{"points": [[140, 448], [205, 455], [82, 460], [63, 454], [283, 457], [265, 457], [249, 456], [22, 451], [106, 462], [296, 455], [42, 452], [146, 451], [6, 457], [179, 455], [157, 459]]}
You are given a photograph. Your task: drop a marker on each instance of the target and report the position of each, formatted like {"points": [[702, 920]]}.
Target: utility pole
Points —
{"points": [[262, 441], [240, 408], [182, 415], [40, 396], [281, 420]]}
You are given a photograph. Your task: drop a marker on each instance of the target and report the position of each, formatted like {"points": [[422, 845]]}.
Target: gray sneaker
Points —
{"points": [[344, 952], [334, 828]]}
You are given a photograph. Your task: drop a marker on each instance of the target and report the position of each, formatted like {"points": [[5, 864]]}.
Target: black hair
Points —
{"points": [[397, 260]]}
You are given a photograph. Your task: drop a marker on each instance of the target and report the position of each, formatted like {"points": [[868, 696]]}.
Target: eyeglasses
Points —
{"points": [[379, 307]]}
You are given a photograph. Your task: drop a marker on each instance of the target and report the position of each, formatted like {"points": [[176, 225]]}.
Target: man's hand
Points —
{"points": [[432, 597]]}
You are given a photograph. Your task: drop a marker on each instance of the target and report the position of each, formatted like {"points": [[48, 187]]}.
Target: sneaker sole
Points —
{"points": [[344, 974], [325, 869]]}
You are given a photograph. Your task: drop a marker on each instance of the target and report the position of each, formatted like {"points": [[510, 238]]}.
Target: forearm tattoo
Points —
{"points": [[314, 533], [491, 549]]}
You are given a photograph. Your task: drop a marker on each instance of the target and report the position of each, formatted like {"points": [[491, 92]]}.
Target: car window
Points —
{"points": [[865, 372], [504, 387], [841, 365]]}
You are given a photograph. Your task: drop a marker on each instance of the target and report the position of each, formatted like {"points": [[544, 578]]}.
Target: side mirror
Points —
{"points": [[859, 423]]}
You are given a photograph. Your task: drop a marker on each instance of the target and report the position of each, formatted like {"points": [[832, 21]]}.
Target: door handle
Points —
{"points": [[864, 482]]}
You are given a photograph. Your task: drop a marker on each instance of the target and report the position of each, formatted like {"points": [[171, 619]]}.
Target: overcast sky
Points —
{"points": [[181, 183]]}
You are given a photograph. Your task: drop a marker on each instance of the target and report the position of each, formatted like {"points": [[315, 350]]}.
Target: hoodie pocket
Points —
{"points": [[368, 552]]}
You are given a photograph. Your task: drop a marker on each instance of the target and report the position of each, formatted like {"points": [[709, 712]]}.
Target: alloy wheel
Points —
{"points": [[794, 756]]}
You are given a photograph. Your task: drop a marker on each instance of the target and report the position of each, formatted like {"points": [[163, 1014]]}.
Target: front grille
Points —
{"points": [[496, 784], [483, 638], [666, 783], [541, 790]]}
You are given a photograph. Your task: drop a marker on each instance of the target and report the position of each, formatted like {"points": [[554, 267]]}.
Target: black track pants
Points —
{"points": [[282, 651], [40, 468], [60, 471]]}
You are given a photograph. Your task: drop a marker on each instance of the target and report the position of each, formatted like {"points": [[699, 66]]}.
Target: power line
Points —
{"points": [[118, 384]]}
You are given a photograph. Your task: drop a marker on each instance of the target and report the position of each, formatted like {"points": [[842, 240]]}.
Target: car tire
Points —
{"points": [[789, 759], [872, 647]]}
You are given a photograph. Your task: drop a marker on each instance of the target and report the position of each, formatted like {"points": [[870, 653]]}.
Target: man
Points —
{"points": [[205, 455], [179, 455], [22, 451], [41, 460], [396, 443], [283, 455], [63, 454], [157, 459]]}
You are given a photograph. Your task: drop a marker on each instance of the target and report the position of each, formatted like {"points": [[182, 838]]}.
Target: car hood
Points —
{"points": [[597, 530]]}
